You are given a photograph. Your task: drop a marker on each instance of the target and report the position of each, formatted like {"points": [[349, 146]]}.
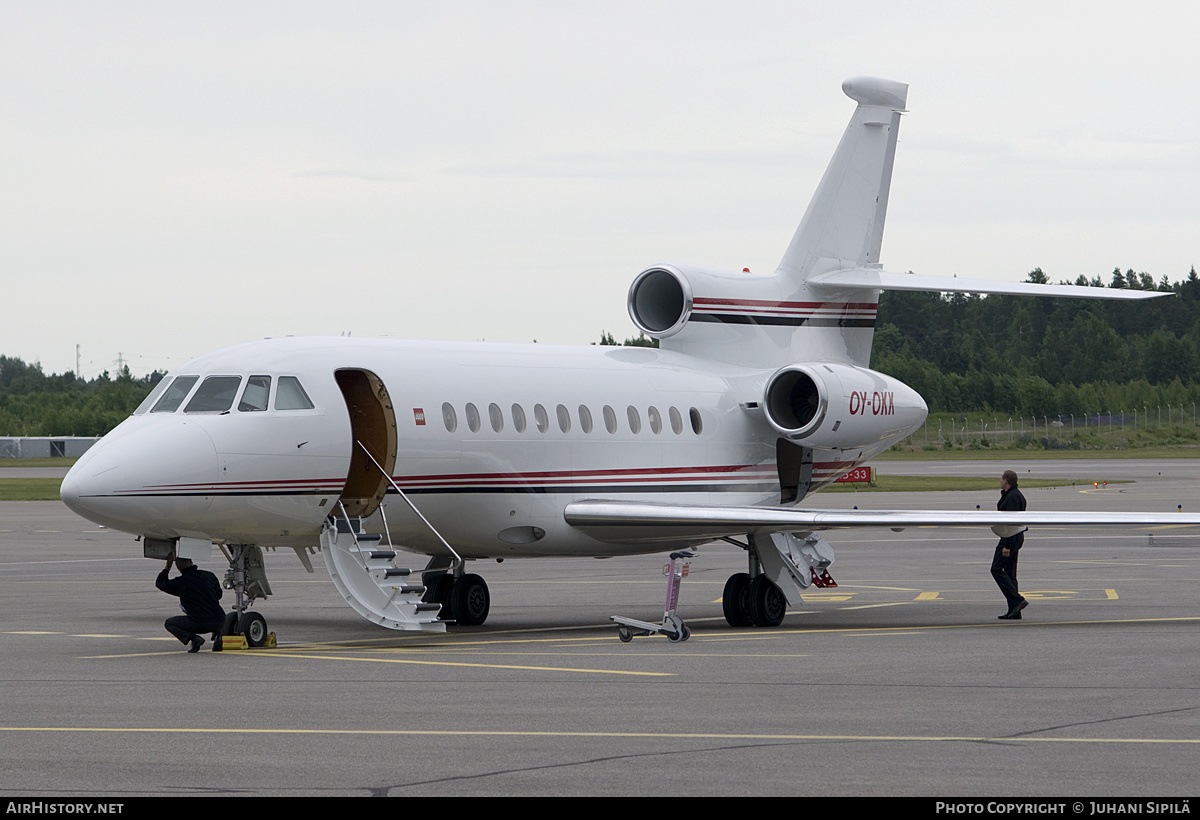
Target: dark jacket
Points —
{"points": [[197, 590], [1011, 500]]}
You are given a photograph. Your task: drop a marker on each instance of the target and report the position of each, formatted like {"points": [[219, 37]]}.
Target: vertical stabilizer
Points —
{"points": [[843, 226]]}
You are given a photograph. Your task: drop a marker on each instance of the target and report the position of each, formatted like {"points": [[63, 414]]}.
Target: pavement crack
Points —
{"points": [[1098, 721]]}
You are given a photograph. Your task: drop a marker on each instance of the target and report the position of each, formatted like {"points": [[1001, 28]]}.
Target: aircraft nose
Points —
{"points": [[149, 476]]}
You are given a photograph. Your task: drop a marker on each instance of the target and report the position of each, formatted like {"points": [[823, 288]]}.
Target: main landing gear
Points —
{"points": [[753, 601], [782, 565], [464, 598], [247, 577]]}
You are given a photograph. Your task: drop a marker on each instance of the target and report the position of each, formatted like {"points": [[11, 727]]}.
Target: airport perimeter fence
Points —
{"points": [[1149, 425]]}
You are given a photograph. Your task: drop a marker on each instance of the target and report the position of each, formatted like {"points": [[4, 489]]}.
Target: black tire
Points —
{"points": [[254, 627], [735, 601], [437, 591], [685, 632], [229, 626], [767, 603], [470, 600], [624, 634]]}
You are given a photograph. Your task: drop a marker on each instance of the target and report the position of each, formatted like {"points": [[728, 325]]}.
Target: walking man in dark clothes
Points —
{"points": [[199, 593], [1004, 563]]}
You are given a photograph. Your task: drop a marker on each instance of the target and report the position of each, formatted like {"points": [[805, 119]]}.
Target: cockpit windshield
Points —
{"points": [[175, 394], [215, 395]]}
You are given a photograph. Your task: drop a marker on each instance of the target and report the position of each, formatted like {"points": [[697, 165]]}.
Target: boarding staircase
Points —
{"points": [[364, 571]]}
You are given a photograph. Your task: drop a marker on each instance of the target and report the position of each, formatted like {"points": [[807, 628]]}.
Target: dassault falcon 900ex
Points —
{"points": [[759, 395]]}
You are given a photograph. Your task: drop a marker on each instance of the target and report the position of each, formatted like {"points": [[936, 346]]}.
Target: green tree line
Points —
{"points": [[35, 404], [1045, 356]]}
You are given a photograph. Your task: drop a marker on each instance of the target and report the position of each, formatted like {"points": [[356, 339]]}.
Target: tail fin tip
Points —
{"points": [[876, 91]]}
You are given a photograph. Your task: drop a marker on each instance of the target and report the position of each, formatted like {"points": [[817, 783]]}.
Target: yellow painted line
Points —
{"points": [[876, 606], [1111, 593], [98, 635], [1187, 741], [928, 596], [31, 632], [468, 665], [825, 598]]}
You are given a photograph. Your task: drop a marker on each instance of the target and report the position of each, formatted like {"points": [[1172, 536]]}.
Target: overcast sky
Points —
{"points": [[178, 177]]}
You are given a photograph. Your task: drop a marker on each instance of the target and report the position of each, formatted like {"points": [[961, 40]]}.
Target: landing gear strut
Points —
{"points": [[247, 578]]}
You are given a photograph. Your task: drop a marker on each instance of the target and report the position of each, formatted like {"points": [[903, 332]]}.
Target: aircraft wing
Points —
{"points": [[632, 522]]}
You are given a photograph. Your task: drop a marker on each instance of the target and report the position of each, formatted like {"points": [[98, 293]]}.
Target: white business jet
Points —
{"points": [[759, 395]]}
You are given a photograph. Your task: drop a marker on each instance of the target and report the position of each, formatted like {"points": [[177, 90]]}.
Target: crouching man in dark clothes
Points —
{"points": [[198, 592], [1004, 563]]}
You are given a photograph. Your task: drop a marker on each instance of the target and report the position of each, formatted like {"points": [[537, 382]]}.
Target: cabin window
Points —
{"points": [[518, 414], [175, 394], [635, 420], [449, 417], [585, 419], [254, 397], [215, 395], [676, 421], [496, 417], [540, 418], [473, 417], [149, 401], [697, 422], [290, 395], [610, 419], [655, 420], [564, 418]]}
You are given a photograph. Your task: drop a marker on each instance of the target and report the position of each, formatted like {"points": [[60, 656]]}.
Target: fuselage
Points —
{"points": [[491, 442]]}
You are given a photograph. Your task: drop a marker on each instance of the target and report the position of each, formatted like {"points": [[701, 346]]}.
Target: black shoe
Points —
{"points": [[218, 645], [1016, 610], [1010, 616], [197, 642]]}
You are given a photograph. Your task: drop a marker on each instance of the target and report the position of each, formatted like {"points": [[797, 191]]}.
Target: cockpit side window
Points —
{"points": [[254, 398], [289, 395], [175, 394], [215, 395]]}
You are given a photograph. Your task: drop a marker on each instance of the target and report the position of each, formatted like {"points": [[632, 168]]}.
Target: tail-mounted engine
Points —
{"points": [[660, 301], [837, 406]]}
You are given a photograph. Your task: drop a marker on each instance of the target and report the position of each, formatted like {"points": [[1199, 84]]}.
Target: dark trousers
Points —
{"points": [[185, 627], [1004, 570]]}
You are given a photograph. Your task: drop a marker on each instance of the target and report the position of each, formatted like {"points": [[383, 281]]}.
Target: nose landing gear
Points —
{"points": [[247, 577]]}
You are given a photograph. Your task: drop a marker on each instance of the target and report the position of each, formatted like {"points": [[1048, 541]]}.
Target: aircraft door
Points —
{"points": [[372, 426]]}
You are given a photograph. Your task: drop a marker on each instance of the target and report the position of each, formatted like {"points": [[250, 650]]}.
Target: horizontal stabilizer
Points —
{"points": [[645, 521], [871, 279]]}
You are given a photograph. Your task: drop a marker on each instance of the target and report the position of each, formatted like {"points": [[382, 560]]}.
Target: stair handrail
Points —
{"points": [[458, 558]]}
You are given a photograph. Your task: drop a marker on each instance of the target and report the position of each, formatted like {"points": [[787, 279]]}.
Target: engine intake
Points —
{"points": [[660, 301]]}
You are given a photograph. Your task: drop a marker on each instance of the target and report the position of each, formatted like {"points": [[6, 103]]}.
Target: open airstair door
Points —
{"points": [[372, 425]]}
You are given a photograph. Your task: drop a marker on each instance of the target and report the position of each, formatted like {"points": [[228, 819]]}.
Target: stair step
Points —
{"points": [[382, 555]]}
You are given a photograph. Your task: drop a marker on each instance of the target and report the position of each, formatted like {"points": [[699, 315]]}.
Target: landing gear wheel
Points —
{"points": [[229, 626], [254, 627], [437, 591], [767, 604], [470, 600], [735, 601], [625, 634]]}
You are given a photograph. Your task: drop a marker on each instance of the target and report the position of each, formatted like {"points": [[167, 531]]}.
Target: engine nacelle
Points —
{"points": [[839, 406], [662, 298]]}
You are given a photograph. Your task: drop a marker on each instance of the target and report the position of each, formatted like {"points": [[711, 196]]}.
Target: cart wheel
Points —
{"points": [[685, 631], [624, 634]]}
